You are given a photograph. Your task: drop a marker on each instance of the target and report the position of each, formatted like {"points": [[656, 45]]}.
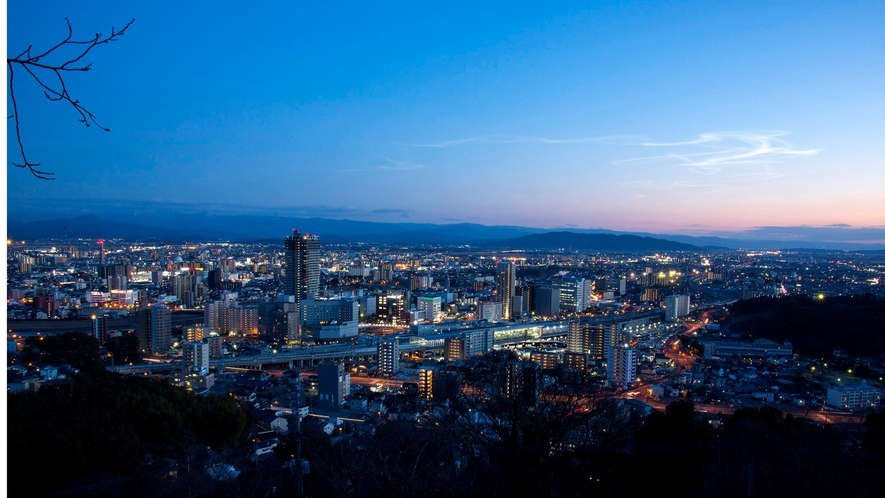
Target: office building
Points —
{"points": [[154, 328], [677, 306], [574, 293], [528, 293], [324, 310], [432, 307], [302, 278], [331, 387], [388, 357], [280, 320], [506, 287], [392, 308], [856, 397], [493, 312], [547, 302]]}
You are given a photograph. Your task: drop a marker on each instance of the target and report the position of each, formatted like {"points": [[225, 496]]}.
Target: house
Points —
{"points": [[326, 425], [271, 421], [22, 383], [265, 447]]}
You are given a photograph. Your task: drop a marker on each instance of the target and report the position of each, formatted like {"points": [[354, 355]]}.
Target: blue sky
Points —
{"points": [[693, 117]]}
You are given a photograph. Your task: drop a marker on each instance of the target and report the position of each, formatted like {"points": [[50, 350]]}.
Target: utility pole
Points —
{"points": [[299, 478]]}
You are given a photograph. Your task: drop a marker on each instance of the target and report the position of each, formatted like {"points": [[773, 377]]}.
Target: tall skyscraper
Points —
{"points": [[302, 278], [506, 287]]}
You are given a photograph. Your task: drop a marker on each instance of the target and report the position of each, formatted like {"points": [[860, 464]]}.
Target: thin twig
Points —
{"points": [[40, 70]]}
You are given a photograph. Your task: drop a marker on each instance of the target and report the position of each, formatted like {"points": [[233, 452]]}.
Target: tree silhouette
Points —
{"points": [[48, 69]]}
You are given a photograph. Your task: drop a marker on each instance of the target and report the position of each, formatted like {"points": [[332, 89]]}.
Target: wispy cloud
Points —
{"points": [[392, 165], [403, 213], [521, 139], [721, 150]]}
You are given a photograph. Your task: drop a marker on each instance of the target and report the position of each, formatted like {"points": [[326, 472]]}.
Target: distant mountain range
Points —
{"points": [[592, 242], [244, 228]]}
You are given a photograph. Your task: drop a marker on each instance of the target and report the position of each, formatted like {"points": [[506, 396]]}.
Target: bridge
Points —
{"points": [[309, 356]]}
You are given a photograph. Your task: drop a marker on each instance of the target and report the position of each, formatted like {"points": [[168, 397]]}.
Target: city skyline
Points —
{"points": [[633, 117]]}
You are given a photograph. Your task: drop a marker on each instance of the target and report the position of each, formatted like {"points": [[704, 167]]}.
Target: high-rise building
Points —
{"points": [[620, 368], [574, 293], [432, 307], [331, 385], [100, 329], [215, 346], [196, 355], [574, 361], [523, 382], [453, 349], [213, 316], [547, 302], [195, 333], [241, 321], [388, 357], [425, 382], [392, 308], [586, 338], [478, 341], [446, 385], [677, 306], [302, 278], [493, 312], [506, 287], [529, 297], [547, 359], [279, 320], [154, 327]]}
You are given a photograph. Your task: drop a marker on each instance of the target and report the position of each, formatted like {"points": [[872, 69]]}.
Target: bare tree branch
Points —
{"points": [[55, 90]]}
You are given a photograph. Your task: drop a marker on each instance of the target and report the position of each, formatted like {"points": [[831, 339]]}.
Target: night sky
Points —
{"points": [[686, 117]]}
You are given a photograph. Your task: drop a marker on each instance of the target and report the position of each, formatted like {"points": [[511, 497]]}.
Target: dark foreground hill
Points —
{"points": [[816, 326]]}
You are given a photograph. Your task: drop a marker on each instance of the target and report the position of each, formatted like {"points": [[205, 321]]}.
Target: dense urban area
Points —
{"points": [[293, 367]]}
